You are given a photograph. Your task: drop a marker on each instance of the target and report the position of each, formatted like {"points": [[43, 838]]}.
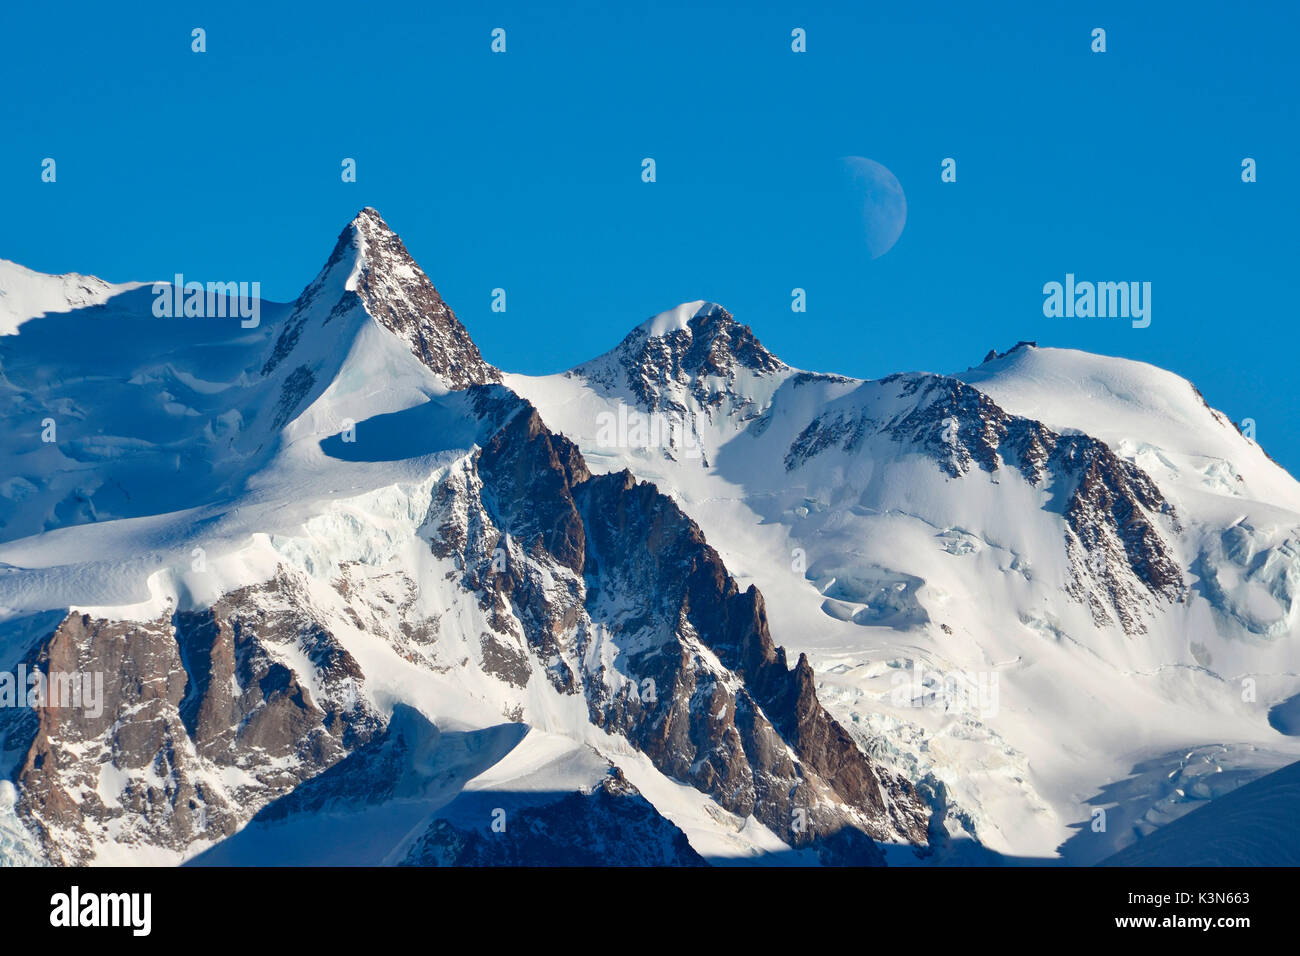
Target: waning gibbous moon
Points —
{"points": [[884, 207]]}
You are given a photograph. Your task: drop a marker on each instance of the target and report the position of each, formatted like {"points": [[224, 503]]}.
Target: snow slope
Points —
{"points": [[25, 294], [1252, 826], [1154, 417]]}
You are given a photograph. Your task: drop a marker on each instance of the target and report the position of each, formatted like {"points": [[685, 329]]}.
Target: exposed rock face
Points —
{"points": [[657, 368], [613, 825], [993, 354], [397, 293], [1112, 532], [379, 276], [203, 721], [296, 387], [682, 376], [139, 735], [758, 741], [616, 591], [1110, 505]]}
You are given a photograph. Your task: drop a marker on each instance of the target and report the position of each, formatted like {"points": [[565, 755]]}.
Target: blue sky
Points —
{"points": [[523, 170]]}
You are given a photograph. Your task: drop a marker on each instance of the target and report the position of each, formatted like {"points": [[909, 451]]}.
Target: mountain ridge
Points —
{"points": [[354, 544], [297, 652]]}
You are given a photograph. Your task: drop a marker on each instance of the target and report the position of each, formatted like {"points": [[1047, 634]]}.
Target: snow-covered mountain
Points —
{"points": [[351, 600], [359, 596], [1050, 585]]}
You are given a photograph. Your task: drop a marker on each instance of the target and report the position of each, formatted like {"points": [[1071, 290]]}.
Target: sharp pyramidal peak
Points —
{"points": [[371, 268]]}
